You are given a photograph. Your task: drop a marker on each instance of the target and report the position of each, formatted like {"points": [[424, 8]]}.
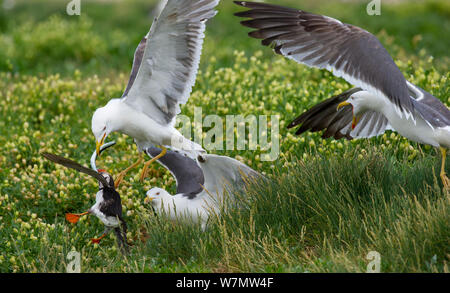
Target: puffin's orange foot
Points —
{"points": [[97, 240], [74, 218]]}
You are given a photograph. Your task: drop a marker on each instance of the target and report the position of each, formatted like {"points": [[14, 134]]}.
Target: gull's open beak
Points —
{"points": [[148, 199], [343, 104], [355, 121], [99, 144]]}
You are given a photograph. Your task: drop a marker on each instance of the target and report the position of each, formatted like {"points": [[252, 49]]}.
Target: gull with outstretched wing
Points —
{"points": [[164, 71]]}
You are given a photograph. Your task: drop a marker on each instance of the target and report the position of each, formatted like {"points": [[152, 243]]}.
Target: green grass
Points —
{"points": [[326, 205]]}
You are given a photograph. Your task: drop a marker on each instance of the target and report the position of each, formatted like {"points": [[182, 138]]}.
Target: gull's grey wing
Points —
{"points": [[326, 43], [169, 64], [224, 173], [189, 176], [158, 8], [137, 61], [429, 107], [74, 165], [337, 123]]}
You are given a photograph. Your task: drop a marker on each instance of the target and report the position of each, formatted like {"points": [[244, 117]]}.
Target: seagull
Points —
{"points": [[164, 70], [382, 100], [201, 185], [107, 207]]}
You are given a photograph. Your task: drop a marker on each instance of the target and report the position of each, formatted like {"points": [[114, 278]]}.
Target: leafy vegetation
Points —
{"points": [[327, 204]]}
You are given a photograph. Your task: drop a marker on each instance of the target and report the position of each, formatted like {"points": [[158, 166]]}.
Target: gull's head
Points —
{"points": [[358, 102], [101, 126], [156, 196]]}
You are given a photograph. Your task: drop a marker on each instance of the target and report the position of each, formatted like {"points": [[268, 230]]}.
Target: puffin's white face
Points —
{"points": [[155, 197], [100, 127], [108, 178]]}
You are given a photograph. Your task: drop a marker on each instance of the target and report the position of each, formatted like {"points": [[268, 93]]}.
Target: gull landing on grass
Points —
{"points": [[383, 100], [164, 71]]}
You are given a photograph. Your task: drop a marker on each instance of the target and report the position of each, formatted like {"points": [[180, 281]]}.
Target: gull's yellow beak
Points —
{"points": [[99, 144], [148, 199], [355, 119], [343, 104]]}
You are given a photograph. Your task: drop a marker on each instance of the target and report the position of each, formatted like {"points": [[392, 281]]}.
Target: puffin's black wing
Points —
{"points": [[111, 205], [74, 165], [188, 174]]}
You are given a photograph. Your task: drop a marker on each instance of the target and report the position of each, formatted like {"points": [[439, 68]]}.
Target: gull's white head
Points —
{"points": [[361, 102], [103, 123], [156, 196]]}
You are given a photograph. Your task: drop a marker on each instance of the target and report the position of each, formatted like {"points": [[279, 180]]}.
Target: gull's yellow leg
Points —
{"points": [[444, 177], [124, 172], [145, 170]]}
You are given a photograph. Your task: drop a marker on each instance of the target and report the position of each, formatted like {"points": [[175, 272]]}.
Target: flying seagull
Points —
{"points": [[201, 185], [163, 74], [108, 206], [383, 100]]}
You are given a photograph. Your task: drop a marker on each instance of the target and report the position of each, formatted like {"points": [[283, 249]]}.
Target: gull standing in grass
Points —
{"points": [[201, 185], [385, 100], [163, 74]]}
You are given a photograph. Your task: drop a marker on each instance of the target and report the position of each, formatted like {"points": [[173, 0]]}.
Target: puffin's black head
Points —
{"points": [[108, 178]]}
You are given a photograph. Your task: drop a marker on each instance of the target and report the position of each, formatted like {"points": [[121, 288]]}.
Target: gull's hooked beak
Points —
{"points": [[99, 144], [343, 104], [148, 199], [355, 119]]}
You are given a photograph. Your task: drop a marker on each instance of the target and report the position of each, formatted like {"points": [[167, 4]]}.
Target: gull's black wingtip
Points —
{"points": [[240, 3], [241, 13], [48, 156], [296, 122]]}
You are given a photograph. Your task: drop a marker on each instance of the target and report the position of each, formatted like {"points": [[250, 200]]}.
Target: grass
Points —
{"points": [[327, 203]]}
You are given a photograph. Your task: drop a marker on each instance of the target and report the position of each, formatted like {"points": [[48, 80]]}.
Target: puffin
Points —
{"points": [[108, 205]]}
